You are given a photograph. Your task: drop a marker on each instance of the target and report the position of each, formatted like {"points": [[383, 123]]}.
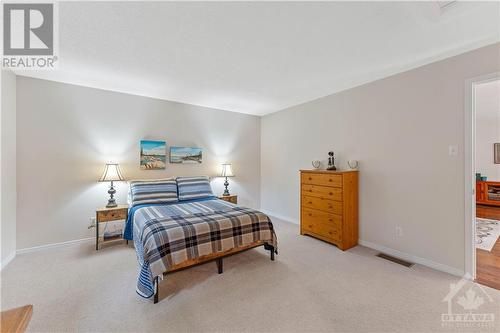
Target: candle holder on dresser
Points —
{"points": [[331, 162]]}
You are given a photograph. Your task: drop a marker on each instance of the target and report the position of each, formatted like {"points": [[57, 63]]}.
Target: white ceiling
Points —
{"points": [[258, 57]]}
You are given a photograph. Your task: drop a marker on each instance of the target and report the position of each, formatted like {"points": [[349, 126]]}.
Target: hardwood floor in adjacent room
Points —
{"points": [[488, 263]]}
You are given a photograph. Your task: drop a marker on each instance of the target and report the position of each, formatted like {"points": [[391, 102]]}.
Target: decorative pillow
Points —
{"points": [[194, 188], [152, 191]]}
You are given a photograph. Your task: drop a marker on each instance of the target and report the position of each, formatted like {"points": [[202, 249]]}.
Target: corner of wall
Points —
{"points": [[8, 197], [281, 217], [7, 260]]}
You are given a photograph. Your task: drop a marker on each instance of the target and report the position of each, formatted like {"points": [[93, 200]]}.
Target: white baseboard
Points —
{"points": [[381, 248], [392, 252], [281, 217], [414, 259], [47, 246], [8, 260]]}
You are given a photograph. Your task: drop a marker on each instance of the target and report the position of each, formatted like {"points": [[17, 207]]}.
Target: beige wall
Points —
{"points": [[8, 167], [487, 101], [66, 133], [400, 129]]}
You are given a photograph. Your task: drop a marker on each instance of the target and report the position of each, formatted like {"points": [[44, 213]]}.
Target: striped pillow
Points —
{"points": [[153, 191], [194, 188]]}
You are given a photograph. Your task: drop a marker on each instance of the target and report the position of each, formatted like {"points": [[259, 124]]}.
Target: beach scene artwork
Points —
{"points": [[185, 155], [153, 155]]}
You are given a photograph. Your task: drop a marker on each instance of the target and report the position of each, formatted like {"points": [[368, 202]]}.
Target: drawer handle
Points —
{"points": [[310, 214], [330, 232], [330, 180], [310, 202], [330, 206], [113, 215], [330, 220], [310, 178], [310, 226], [330, 193], [310, 190]]}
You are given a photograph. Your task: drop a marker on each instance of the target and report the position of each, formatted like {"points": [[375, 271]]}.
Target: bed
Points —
{"points": [[173, 236]]}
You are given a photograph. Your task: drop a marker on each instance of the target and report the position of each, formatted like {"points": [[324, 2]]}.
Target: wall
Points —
{"points": [[66, 133], [400, 129], [487, 100], [8, 167]]}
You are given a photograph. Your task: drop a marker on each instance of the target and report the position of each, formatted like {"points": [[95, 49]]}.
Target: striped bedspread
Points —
{"points": [[166, 235]]}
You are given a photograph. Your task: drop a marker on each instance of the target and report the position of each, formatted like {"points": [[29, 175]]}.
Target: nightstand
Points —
{"points": [[230, 198], [103, 215]]}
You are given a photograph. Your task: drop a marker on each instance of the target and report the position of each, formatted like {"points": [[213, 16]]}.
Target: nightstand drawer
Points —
{"points": [[230, 198], [112, 215]]}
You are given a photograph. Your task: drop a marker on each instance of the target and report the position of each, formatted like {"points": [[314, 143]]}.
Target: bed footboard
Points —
{"points": [[218, 257]]}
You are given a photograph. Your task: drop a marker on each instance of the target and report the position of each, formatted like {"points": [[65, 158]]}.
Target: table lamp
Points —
{"points": [[111, 173], [227, 171]]}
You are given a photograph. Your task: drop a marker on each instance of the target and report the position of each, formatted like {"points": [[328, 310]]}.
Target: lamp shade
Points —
{"points": [[227, 171], [111, 173]]}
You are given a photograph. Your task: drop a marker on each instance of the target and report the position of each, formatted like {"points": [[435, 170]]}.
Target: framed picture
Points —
{"points": [[496, 154], [153, 155], [185, 155]]}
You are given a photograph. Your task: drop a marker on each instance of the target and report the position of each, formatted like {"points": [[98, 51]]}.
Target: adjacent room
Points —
{"points": [[250, 166], [487, 161]]}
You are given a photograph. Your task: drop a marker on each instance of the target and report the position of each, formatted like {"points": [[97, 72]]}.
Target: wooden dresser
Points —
{"points": [[329, 206], [488, 193]]}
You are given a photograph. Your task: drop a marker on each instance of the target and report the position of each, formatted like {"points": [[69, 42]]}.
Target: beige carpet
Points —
{"points": [[312, 286]]}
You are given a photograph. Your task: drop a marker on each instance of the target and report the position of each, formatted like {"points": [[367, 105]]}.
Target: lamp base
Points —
{"points": [[111, 201], [111, 204], [226, 191]]}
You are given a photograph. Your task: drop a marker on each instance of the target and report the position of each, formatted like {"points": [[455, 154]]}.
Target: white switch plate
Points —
{"points": [[453, 150], [399, 231]]}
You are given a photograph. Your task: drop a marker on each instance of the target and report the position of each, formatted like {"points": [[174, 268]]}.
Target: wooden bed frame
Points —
{"points": [[218, 257]]}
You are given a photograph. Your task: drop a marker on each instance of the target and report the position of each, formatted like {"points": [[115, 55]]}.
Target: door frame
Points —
{"points": [[470, 170]]}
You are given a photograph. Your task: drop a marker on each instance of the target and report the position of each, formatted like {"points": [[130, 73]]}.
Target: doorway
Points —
{"points": [[483, 180]]}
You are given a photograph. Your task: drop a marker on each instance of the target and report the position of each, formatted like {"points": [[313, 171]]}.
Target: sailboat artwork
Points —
{"points": [[153, 155]]}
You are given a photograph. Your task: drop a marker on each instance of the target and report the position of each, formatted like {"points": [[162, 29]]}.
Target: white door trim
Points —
{"points": [[470, 169]]}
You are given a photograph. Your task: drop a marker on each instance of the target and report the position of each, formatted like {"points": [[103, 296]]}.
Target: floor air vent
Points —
{"points": [[396, 260]]}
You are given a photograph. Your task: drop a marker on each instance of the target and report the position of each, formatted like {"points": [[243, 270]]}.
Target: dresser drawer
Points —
{"points": [[322, 217], [325, 192], [330, 206], [321, 224], [112, 215], [321, 179]]}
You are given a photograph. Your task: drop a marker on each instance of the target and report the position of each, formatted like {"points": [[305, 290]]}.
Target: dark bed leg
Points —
{"points": [[156, 289], [271, 250], [219, 265]]}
